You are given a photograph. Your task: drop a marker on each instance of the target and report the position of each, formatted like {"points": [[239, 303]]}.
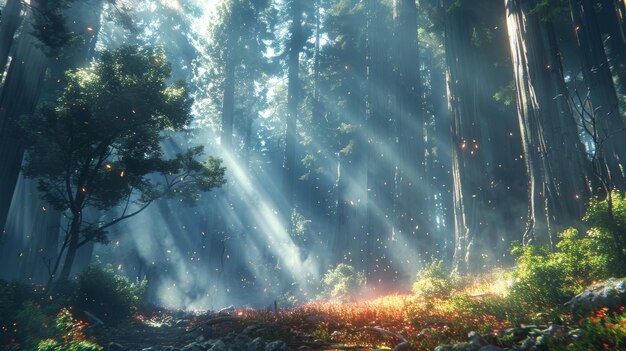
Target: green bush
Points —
{"points": [[342, 282], [435, 280], [552, 277], [548, 277], [107, 295], [22, 319], [540, 279], [71, 335]]}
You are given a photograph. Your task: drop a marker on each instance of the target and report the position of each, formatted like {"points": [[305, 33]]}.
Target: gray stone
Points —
{"points": [[403, 346], [243, 339], [167, 348], [490, 348], [219, 346], [194, 346], [115, 347], [277, 346], [148, 349], [257, 344], [610, 293], [443, 348], [476, 339]]}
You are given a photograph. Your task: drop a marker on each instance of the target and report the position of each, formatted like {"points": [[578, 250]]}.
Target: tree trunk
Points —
{"points": [[19, 97], [228, 102], [11, 21], [615, 42], [295, 45], [380, 146], [72, 247], [601, 88], [554, 156], [468, 167], [411, 214]]}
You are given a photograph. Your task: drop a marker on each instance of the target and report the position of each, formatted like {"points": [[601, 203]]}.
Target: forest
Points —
{"points": [[282, 175]]}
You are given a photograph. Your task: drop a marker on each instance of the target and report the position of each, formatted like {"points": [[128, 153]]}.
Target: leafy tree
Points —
{"points": [[99, 145], [343, 282]]}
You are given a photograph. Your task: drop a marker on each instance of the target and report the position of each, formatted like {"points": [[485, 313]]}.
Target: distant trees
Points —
{"points": [[395, 132], [237, 62], [99, 145]]}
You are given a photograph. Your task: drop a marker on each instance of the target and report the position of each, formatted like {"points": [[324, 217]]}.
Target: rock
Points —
{"points": [[403, 346], [277, 346], [115, 347], [443, 348], [167, 348], [251, 329], [610, 293], [476, 339], [304, 348], [242, 339], [490, 348], [194, 346], [148, 349], [257, 344], [219, 346]]}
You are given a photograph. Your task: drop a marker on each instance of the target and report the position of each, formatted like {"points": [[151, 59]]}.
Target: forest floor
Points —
{"points": [[402, 322]]}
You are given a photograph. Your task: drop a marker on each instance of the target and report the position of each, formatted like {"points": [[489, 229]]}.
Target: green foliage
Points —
{"points": [[549, 9], [31, 325], [72, 335], [545, 278], [107, 295], [342, 282], [435, 280], [100, 144], [540, 279], [506, 94], [605, 222]]}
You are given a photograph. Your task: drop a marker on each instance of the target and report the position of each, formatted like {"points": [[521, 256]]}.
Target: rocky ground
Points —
{"points": [[222, 331]]}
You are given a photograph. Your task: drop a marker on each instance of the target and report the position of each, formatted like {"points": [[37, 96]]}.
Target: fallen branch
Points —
{"points": [[96, 321]]}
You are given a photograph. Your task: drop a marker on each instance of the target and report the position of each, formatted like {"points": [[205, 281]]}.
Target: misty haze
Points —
{"points": [[282, 175]]}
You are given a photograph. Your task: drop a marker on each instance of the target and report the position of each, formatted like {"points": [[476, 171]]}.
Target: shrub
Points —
{"points": [[109, 296], [435, 280], [22, 320], [342, 282], [72, 337], [551, 277]]}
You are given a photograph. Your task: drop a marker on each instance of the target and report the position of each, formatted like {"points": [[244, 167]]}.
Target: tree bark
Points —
{"points": [[411, 214], [11, 21], [380, 146], [295, 46], [72, 247], [558, 171], [602, 91]]}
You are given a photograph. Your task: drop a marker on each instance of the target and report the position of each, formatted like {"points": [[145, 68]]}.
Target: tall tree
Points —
{"points": [[411, 214], [380, 149], [294, 46], [557, 168], [486, 169], [601, 89], [81, 159], [19, 96]]}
